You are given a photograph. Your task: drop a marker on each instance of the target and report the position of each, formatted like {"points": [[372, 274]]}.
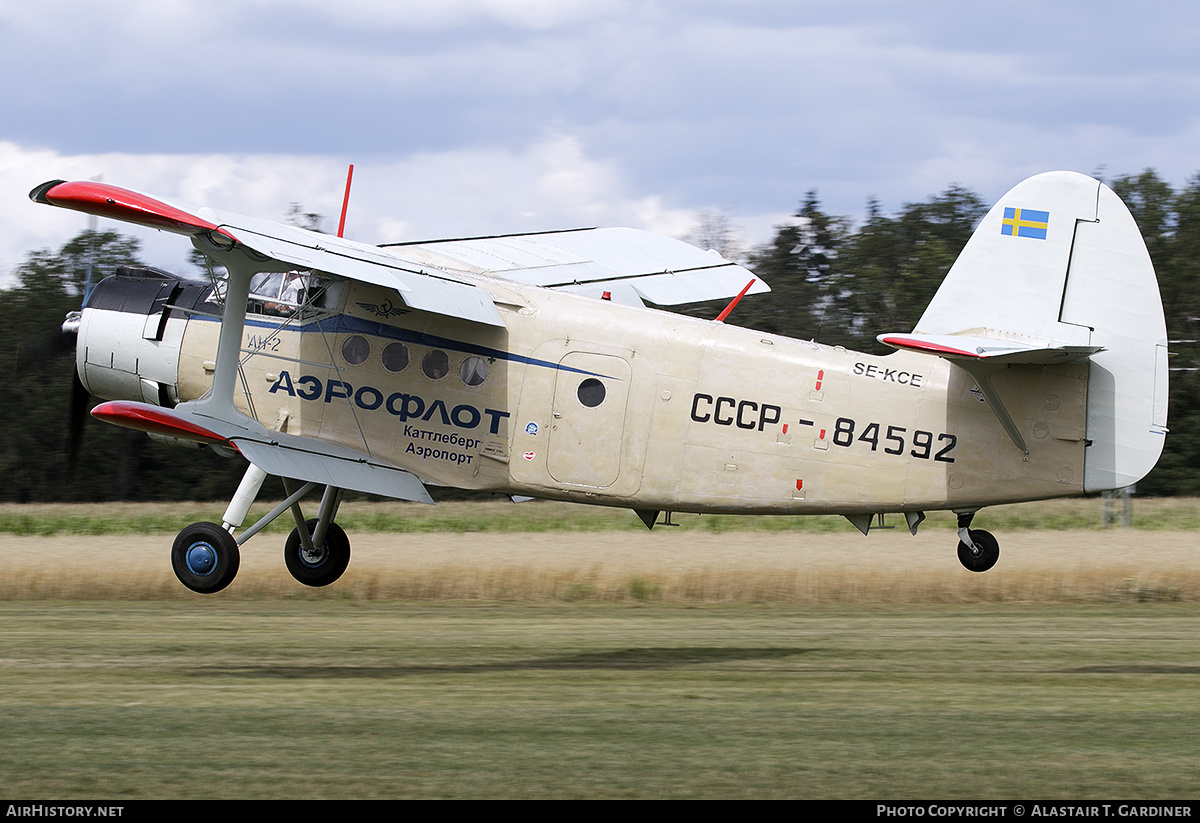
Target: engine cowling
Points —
{"points": [[130, 333]]}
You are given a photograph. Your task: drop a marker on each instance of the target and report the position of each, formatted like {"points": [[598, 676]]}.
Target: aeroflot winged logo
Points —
{"points": [[1025, 223], [384, 309]]}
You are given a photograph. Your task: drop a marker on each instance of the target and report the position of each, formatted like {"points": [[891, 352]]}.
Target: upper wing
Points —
{"points": [[420, 288], [441, 276], [658, 269]]}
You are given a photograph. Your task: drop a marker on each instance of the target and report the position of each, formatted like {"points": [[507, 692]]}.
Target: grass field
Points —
{"points": [[496, 660], [393, 700], [538, 552]]}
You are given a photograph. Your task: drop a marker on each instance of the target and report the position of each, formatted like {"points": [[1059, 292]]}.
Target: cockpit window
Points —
{"points": [[281, 294], [266, 284]]}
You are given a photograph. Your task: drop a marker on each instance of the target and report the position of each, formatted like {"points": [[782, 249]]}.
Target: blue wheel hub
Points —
{"points": [[201, 559], [314, 558]]}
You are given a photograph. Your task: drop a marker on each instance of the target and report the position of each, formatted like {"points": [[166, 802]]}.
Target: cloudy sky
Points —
{"points": [[467, 117]]}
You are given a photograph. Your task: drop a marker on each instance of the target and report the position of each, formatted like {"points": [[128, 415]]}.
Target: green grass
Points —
{"points": [[1179, 513], [222, 699]]}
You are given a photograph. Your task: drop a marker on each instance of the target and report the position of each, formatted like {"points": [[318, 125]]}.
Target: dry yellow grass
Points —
{"points": [[1117, 565]]}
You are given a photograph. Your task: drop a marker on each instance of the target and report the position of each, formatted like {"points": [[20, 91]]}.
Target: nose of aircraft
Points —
{"points": [[127, 338]]}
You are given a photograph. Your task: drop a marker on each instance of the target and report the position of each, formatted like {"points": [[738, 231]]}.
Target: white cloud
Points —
{"points": [[549, 184]]}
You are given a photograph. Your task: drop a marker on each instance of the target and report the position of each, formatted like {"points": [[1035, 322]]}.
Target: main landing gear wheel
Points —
{"points": [[983, 555], [324, 564], [205, 557]]}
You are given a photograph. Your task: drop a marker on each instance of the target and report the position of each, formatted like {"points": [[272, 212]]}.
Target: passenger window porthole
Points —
{"points": [[591, 392], [473, 370], [395, 357], [356, 350], [436, 364]]}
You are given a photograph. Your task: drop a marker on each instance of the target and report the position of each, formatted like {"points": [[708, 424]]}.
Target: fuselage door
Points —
{"points": [[587, 432]]}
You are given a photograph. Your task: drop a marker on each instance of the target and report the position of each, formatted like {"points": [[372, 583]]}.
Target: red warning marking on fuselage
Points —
{"points": [[799, 485], [785, 425], [820, 377], [821, 436]]}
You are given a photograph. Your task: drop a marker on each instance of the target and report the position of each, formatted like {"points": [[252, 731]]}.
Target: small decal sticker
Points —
{"points": [[1025, 223], [529, 455], [531, 428]]}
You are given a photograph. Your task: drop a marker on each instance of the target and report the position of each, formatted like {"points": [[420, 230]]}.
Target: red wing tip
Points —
{"points": [[106, 200]]}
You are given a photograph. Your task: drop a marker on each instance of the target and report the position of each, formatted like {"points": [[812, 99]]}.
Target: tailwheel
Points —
{"points": [[981, 553], [205, 557], [317, 565]]}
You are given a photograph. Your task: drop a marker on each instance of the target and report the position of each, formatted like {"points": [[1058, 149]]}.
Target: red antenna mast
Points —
{"points": [[721, 317], [346, 200]]}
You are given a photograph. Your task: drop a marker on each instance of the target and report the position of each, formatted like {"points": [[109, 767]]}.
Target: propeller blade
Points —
{"points": [[80, 398], [48, 347]]}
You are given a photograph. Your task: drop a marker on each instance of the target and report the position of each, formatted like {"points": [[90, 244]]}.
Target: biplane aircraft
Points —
{"points": [[530, 365]]}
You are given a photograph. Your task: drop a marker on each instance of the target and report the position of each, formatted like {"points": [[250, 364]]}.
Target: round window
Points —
{"points": [[395, 357], [436, 364], [356, 350], [591, 392], [473, 371]]}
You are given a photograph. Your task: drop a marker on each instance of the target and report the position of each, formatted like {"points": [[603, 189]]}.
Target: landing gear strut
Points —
{"points": [[978, 550], [206, 556]]}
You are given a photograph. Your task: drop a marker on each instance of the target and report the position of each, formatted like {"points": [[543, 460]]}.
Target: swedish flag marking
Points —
{"points": [[1025, 223]]}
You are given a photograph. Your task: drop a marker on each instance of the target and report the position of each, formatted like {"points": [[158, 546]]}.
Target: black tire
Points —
{"points": [[205, 557], [985, 553], [326, 564]]}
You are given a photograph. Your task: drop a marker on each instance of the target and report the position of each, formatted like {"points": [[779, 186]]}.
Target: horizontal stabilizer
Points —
{"points": [[996, 350], [982, 357]]}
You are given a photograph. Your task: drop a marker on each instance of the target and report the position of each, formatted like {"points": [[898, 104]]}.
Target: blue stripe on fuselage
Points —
{"points": [[348, 324]]}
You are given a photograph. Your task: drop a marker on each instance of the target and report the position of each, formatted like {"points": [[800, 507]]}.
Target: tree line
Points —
{"points": [[832, 281]]}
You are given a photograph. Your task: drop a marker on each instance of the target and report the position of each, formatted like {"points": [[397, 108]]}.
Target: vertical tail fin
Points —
{"points": [[1059, 262]]}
